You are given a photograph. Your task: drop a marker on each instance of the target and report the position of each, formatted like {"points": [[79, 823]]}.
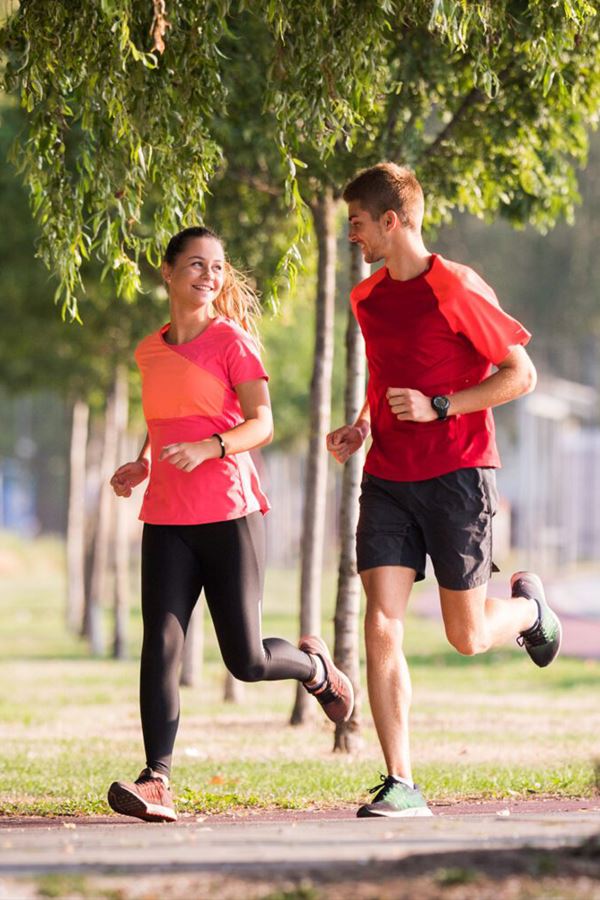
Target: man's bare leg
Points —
{"points": [[475, 622], [388, 680]]}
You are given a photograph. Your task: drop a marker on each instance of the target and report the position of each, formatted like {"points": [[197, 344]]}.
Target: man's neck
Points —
{"points": [[409, 260]]}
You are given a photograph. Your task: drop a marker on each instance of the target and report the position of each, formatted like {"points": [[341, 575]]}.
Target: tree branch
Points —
{"points": [[471, 98]]}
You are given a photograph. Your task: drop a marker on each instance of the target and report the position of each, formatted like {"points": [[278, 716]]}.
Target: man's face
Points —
{"points": [[367, 232]]}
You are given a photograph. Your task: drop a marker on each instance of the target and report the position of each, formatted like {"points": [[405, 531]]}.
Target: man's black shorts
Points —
{"points": [[449, 518]]}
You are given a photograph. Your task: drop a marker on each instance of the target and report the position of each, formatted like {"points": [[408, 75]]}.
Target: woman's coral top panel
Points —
{"points": [[188, 394]]}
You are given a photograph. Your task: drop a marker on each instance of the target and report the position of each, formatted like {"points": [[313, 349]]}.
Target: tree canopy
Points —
{"points": [[125, 100]]}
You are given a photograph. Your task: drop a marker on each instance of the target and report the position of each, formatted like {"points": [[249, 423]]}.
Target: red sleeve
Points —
{"points": [[243, 360], [471, 307]]}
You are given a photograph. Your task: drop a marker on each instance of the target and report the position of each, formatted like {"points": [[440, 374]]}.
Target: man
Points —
{"points": [[433, 330]]}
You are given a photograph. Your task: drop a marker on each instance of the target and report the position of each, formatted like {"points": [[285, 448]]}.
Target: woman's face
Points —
{"points": [[196, 277]]}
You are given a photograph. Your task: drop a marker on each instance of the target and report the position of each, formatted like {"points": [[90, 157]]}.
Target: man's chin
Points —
{"points": [[370, 257]]}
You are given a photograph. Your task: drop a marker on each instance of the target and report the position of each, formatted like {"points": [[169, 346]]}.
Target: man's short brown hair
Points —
{"points": [[388, 186]]}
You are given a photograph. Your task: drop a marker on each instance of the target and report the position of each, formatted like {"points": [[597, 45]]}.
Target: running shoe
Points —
{"points": [[542, 640], [148, 798], [335, 694], [394, 799]]}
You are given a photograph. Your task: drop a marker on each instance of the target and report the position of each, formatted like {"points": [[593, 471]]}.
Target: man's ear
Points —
{"points": [[390, 220]]}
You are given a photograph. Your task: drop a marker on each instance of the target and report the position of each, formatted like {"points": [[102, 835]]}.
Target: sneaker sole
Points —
{"points": [[124, 801], [323, 650], [417, 813]]}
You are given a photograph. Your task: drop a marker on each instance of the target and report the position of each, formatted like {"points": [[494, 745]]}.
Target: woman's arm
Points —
{"points": [[255, 431], [133, 473]]}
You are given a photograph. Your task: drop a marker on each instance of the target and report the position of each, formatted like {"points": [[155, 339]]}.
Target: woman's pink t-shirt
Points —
{"points": [[188, 394]]}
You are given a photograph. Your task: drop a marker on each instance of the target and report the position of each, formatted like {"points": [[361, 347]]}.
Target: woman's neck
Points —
{"points": [[186, 326]]}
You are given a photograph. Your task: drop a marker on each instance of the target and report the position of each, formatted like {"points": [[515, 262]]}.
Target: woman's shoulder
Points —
{"points": [[230, 332], [150, 341]]}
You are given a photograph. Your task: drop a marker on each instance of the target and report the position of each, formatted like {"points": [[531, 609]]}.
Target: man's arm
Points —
{"points": [[515, 377]]}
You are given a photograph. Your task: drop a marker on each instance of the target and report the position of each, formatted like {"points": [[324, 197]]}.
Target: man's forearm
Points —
{"points": [[502, 386]]}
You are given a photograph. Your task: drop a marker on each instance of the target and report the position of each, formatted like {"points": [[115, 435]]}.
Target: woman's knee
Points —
{"points": [[163, 646], [249, 669]]}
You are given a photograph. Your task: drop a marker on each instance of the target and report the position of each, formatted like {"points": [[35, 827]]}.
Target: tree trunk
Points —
{"points": [[233, 691], [347, 605], [121, 544], [76, 518], [313, 523], [93, 626], [193, 648]]}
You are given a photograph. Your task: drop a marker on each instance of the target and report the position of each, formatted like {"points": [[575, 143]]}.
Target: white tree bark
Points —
{"points": [[121, 554], [347, 607], [94, 630], [76, 518], [313, 525]]}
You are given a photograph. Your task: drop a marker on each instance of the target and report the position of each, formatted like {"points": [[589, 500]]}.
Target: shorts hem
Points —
{"points": [[420, 575], [473, 583]]}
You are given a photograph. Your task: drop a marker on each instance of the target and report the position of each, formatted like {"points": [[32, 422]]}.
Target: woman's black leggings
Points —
{"points": [[226, 559]]}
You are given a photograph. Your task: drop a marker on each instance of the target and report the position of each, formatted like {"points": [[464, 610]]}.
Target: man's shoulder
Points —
{"points": [[456, 280]]}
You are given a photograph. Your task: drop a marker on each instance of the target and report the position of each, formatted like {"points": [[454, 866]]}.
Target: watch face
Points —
{"points": [[441, 403]]}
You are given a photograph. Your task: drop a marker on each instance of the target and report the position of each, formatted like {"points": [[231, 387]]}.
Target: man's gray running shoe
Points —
{"points": [[395, 800], [542, 640]]}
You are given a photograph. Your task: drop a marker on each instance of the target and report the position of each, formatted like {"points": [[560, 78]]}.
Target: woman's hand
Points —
{"points": [[129, 476], [187, 455]]}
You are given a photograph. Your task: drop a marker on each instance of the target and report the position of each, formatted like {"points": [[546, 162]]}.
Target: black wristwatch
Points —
{"points": [[441, 405]]}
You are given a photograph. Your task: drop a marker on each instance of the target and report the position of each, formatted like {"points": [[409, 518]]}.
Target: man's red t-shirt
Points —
{"points": [[437, 333]]}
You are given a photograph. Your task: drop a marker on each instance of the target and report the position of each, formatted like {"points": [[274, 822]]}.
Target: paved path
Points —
{"points": [[296, 842]]}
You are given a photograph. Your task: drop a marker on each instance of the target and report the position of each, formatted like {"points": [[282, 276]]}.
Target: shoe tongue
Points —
{"points": [[145, 775]]}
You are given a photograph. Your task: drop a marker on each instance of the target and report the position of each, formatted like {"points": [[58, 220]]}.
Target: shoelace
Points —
{"points": [[536, 635], [146, 776], [327, 694], [386, 782]]}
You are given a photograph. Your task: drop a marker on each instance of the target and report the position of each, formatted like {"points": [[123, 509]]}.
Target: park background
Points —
{"points": [[484, 727]]}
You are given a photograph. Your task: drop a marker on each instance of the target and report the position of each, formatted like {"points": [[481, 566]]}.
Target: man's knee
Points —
{"points": [[381, 629], [467, 643]]}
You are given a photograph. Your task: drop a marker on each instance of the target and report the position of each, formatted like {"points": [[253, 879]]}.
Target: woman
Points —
{"points": [[206, 404]]}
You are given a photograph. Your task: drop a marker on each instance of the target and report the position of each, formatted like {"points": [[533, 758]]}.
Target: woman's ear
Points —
{"points": [[165, 270]]}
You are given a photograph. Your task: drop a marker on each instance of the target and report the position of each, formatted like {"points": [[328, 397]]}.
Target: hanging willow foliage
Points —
{"points": [[489, 100]]}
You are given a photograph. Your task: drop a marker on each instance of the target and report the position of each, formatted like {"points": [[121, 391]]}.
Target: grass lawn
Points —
{"points": [[493, 726]]}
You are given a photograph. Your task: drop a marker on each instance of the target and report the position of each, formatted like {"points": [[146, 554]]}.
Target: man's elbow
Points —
{"points": [[528, 378]]}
